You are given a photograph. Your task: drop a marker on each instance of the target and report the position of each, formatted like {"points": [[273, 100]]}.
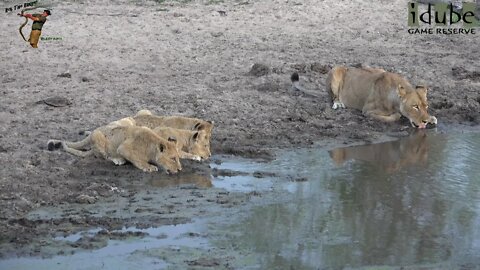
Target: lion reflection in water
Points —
{"points": [[190, 179], [391, 156]]}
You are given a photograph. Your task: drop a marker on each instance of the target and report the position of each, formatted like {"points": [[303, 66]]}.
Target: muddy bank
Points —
{"points": [[189, 59]]}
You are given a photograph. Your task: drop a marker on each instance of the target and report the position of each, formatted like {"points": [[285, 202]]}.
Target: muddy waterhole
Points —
{"points": [[412, 203]]}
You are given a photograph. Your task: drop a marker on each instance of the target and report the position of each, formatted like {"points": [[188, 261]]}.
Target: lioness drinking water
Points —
{"points": [[380, 94]]}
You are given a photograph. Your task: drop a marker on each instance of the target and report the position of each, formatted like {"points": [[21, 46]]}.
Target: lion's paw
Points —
{"points": [[118, 161], [432, 122], [337, 105], [150, 168]]}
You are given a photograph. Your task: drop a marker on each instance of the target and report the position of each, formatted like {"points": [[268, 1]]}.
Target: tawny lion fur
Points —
{"points": [[122, 141], [379, 94]]}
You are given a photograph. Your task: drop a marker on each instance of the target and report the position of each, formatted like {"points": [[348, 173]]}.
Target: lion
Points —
{"points": [[146, 118], [383, 95], [123, 141], [391, 156], [75, 148], [191, 144]]}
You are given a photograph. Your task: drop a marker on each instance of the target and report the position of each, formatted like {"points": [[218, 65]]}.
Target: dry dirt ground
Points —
{"points": [[195, 58]]}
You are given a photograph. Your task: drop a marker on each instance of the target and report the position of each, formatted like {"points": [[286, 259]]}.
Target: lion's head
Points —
{"points": [[206, 126], [199, 144], [414, 105], [166, 155]]}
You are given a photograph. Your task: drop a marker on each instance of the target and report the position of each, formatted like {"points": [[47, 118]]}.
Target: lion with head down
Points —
{"points": [[383, 95]]}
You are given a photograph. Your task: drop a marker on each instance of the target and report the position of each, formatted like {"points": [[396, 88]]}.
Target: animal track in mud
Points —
{"points": [[269, 87], [443, 104], [461, 73]]}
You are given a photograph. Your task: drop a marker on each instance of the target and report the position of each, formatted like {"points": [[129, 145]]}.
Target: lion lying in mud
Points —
{"points": [[147, 119], [191, 135], [380, 94], [122, 141], [190, 144]]}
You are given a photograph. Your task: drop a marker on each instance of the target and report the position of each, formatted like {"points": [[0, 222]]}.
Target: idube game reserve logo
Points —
{"points": [[443, 18]]}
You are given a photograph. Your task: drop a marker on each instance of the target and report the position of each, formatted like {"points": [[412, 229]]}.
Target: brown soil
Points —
{"points": [[232, 67]]}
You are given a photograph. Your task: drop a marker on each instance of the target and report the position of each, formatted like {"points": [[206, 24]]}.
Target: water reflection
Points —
{"points": [[198, 180], [391, 156], [390, 214]]}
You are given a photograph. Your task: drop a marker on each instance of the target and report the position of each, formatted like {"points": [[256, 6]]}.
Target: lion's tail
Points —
{"points": [[296, 86], [85, 132], [75, 148]]}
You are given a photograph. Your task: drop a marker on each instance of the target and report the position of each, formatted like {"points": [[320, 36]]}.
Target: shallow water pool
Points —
{"points": [[412, 203]]}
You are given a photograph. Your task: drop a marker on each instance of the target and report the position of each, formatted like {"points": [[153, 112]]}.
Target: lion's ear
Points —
{"points": [[401, 91], [161, 147], [422, 89], [198, 126], [195, 136], [172, 139]]}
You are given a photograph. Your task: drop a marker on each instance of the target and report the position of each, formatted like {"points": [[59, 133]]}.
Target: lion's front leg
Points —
{"points": [[185, 155], [382, 116], [335, 80], [129, 152]]}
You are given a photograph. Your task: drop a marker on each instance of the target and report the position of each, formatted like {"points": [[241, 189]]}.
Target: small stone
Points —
{"points": [[65, 75], [259, 70], [85, 199]]}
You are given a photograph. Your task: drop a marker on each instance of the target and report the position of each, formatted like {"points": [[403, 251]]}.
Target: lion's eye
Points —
{"points": [[415, 107]]}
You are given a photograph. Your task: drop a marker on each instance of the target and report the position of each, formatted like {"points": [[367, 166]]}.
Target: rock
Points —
{"points": [[259, 174], [57, 101], [300, 68], [204, 262], [65, 75], [216, 34], [85, 199], [322, 69], [268, 87], [259, 70], [8, 80], [227, 173]]}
